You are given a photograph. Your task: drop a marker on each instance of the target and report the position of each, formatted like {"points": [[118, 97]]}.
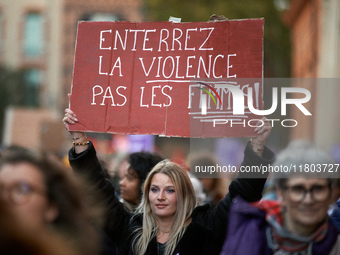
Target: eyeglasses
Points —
{"points": [[19, 192], [319, 193]]}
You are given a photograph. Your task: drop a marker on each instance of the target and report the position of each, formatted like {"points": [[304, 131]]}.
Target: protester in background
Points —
{"points": [[335, 211], [17, 239], [167, 221], [198, 187], [116, 168], [335, 215], [139, 165], [296, 224], [41, 194], [269, 190], [215, 185]]}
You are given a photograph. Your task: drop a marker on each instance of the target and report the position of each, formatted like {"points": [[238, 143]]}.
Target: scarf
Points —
{"points": [[280, 239]]}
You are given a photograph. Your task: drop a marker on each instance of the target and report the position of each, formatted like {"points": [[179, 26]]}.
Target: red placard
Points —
{"points": [[151, 77]]}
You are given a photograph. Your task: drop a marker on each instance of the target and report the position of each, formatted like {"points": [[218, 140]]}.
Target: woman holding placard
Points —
{"points": [[168, 221]]}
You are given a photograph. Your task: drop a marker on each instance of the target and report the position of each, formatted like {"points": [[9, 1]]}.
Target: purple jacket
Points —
{"points": [[247, 232]]}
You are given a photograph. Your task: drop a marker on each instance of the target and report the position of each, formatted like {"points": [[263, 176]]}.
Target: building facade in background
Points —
{"points": [[38, 37], [96, 10], [315, 40]]}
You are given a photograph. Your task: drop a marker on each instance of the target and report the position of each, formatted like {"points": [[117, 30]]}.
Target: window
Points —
{"points": [[33, 35], [32, 80]]}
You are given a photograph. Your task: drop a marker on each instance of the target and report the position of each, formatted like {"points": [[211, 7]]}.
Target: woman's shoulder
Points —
{"points": [[201, 209], [196, 240], [196, 227]]}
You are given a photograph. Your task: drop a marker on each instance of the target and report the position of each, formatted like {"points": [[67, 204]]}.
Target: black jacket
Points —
{"points": [[207, 231]]}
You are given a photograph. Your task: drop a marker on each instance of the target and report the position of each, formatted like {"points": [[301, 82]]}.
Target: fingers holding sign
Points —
{"points": [[263, 130], [70, 118]]}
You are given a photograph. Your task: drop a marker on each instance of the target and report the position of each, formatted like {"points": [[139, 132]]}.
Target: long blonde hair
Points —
{"points": [[186, 203]]}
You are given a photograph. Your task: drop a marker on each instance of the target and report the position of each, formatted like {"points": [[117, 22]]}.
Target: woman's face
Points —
{"points": [[130, 186], [22, 188], [304, 216], [162, 196]]}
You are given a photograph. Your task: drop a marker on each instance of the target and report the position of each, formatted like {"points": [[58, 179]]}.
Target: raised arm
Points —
{"points": [[251, 179], [263, 130], [248, 187], [83, 160], [80, 142]]}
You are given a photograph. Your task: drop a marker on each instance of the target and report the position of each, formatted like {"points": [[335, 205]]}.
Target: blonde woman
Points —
{"points": [[167, 205], [168, 221]]}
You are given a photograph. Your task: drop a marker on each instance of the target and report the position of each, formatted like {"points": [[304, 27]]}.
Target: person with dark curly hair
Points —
{"points": [[139, 165]]}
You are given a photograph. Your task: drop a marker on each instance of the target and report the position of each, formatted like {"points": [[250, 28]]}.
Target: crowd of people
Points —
{"points": [[161, 208]]}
